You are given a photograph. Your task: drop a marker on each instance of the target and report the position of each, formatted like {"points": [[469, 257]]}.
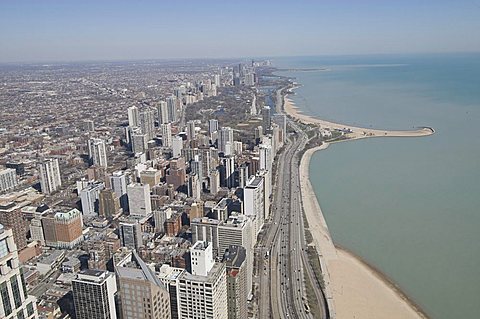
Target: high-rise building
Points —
{"points": [[94, 294], [281, 120], [229, 164], [8, 179], [194, 186], [237, 148], [238, 230], [63, 230], [267, 190], [254, 202], [216, 80], [133, 116], [266, 118], [205, 229], [36, 230], [142, 294], [11, 217], [162, 112], [166, 134], [68, 229], [172, 108], [214, 181], [225, 136], [169, 276], [151, 177], [190, 130], [97, 152], [139, 142], [235, 259], [90, 196], [176, 174], [147, 122], [118, 182], [266, 157], [15, 302], [130, 235], [50, 180], [212, 126], [109, 204], [203, 292], [177, 146], [243, 175], [139, 203]]}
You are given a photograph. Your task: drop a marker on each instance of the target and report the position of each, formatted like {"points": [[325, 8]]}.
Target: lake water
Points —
{"points": [[409, 206]]}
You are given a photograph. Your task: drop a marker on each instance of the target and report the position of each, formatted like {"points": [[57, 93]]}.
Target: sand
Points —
{"points": [[353, 288], [356, 132]]}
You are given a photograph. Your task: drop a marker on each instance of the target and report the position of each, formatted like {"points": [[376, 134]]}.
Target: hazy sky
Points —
{"points": [[47, 30]]}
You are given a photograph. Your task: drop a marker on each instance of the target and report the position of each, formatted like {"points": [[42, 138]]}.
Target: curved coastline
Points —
{"points": [[353, 288]]}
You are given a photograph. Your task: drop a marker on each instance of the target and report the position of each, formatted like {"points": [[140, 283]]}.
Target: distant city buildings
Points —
{"points": [[132, 195]]}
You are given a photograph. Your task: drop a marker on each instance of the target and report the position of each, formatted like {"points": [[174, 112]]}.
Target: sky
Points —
{"points": [[67, 30]]}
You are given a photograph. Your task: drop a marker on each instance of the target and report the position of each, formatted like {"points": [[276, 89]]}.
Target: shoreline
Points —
{"points": [[353, 287], [354, 132], [387, 280]]}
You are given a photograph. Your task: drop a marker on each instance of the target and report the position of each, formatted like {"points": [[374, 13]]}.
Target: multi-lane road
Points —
{"points": [[281, 274]]}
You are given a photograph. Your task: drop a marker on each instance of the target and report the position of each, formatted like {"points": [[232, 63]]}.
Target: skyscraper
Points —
{"points": [[190, 130], [130, 235], [109, 203], [94, 294], [177, 146], [139, 199], [147, 122], [266, 118], [225, 136], [203, 292], [8, 179], [142, 294], [11, 217], [238, 230], [68, 229], [172, 108], [133, 116], [90, 198], [166, 134], [50, 180], [118, 182], [162, 110], [229, 164], [15, 302], [254, 201], [97, 152], [205, 229], [237, 281]]}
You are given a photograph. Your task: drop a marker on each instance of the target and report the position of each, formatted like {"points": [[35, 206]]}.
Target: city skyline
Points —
{"points": [[51, 31]]}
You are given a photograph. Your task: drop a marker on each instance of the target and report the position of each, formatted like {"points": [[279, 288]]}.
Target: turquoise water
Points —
{"points": [[409, 206]]}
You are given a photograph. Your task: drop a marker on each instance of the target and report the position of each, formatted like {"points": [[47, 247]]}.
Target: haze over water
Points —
{"points": [[409, 206]]}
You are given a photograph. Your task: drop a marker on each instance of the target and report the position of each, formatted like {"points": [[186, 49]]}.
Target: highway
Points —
{"points": [[281, 286]]}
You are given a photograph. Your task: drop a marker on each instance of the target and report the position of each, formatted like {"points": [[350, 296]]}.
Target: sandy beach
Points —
{"points": [[353, 289], [356, 132]]}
